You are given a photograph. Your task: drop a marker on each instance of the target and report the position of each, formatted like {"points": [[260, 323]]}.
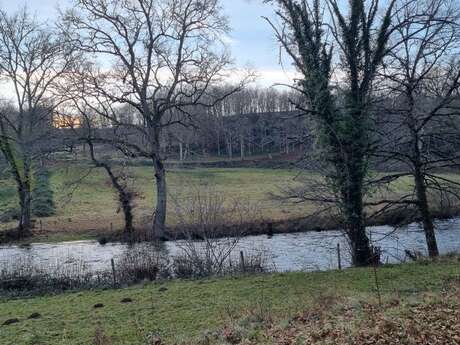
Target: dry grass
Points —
{"points": [[424, 318]]}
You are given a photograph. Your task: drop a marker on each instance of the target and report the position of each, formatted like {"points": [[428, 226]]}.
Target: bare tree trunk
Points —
{"points": [[181, 152], [287, 144], [159, 221], [230, 148], [241, 147], [427, 219], [424, 209], [421, 190], [218, 143], [125, 198], [25, 203], [25, 198]]}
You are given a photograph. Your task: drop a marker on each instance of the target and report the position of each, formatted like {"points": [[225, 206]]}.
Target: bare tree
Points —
{"points": [[33, 58], [420, 131], [87, 130], [327, 41], [160, 57]]}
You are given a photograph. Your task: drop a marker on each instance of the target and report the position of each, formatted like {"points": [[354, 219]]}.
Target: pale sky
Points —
{"points": [[251, 40]]}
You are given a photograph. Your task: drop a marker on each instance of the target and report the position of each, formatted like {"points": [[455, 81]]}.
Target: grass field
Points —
{"points": [[87, 207], [185, 311]]}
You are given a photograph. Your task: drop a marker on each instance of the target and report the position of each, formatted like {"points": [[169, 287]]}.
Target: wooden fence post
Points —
{"points": [[113, 272], [339, 258], [243, 267]]}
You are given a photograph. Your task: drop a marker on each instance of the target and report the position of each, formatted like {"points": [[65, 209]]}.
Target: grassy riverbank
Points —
{"points": [[259, 308], [86, 206]]}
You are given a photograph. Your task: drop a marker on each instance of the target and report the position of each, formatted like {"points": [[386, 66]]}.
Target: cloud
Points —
{"points": [[270, 77], [266, 77], [228, 40]]}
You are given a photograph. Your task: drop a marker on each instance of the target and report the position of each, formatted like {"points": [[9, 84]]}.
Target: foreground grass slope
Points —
{"points": [[187, 311]]}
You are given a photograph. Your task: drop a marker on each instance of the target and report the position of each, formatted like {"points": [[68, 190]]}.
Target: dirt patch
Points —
{"points": [[34, 316], [10, 322]]}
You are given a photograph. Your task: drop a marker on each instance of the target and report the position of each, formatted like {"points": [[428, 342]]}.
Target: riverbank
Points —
{"points": [[260, 227], [259, 309], [86, 206]]}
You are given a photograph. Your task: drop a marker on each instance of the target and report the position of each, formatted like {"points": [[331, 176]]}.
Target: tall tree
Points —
{"points": [[328, 41], [160, 57], [33, 58], [420, 131]]}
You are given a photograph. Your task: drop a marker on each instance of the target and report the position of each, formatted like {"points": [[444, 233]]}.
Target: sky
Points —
{"points": [[251, 40]]}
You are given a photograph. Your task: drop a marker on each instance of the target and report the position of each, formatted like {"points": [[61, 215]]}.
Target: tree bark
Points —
{"points": [[25, 203], [421, 190], [424, 209], [229, 148], [23, 180], [125, 198], [241, 147], [128, 216], [159, 220]]}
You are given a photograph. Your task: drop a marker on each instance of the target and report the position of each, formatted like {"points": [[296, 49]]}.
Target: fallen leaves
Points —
{"points": [[426, 323]]}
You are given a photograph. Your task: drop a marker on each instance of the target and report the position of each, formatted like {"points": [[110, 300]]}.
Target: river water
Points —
{"points": [[306, 251]]}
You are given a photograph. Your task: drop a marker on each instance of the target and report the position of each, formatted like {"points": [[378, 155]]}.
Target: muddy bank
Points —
{"points": [[249, 228], [285, 226]]}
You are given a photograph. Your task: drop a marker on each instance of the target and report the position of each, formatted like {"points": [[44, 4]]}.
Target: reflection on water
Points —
{"points": [[288, 252]]}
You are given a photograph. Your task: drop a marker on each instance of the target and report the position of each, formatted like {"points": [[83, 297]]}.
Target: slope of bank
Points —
{"points": [[251, 309]]}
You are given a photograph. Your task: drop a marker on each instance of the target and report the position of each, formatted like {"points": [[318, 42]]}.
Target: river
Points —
{"points": [[307, 251]]}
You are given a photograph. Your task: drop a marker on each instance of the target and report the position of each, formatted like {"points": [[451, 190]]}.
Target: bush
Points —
{"points": [[9, 214], [26, 277], [43, 196], [142, 263]]}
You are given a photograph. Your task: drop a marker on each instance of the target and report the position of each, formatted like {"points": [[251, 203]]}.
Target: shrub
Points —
{"points": [[142, 263], [42, 195]]}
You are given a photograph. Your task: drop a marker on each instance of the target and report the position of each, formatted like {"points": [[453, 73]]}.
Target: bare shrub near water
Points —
{"points": [[23, 277], [202, 214], [18, 277], [143, 263]]}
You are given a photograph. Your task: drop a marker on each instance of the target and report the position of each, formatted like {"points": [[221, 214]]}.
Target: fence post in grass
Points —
{"points": [[243, 267], [113, 273], [339, 258]]}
